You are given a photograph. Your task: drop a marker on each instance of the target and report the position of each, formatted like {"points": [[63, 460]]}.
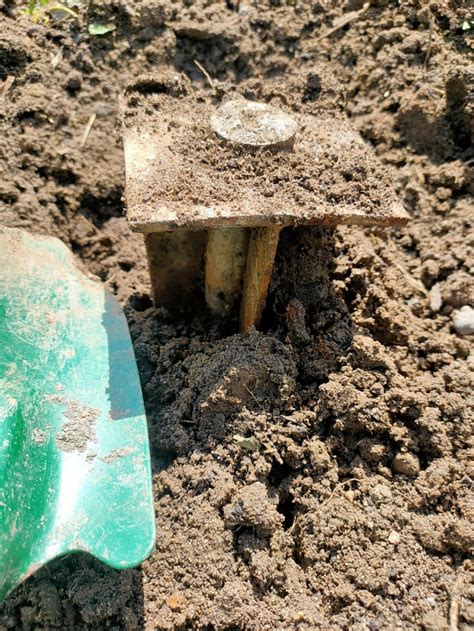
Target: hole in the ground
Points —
{"points": [[140, 302], [64, 177], [148, 86], [29, 116], [61, 203], [101, 208], [125, 266], [278, 473], [457, 115], [287, 508], [313, 88], [8, 197], [393, 107]]}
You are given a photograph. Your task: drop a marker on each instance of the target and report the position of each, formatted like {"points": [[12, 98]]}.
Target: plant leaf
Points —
{"points": [[30, 8], [100, 29], [249, 444], [58, 11]]}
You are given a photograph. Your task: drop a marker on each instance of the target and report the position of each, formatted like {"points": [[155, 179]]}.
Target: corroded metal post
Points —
{"points": [[212, 221], [262, 250], [226, 256], [255, 126]]}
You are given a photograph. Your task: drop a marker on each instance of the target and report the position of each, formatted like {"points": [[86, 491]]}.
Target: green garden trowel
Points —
{"points": [[74, 457]]}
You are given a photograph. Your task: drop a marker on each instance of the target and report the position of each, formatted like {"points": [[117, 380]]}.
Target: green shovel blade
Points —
{"points": [[74, 457]]}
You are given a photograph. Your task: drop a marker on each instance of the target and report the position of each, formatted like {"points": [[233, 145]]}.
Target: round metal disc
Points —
{"points": [[253, 124]]}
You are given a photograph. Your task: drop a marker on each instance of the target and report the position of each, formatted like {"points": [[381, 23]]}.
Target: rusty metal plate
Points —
{"points": [[180, 173]]}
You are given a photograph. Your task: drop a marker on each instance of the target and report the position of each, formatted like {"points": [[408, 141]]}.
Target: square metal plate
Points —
{"points": [[181, 175]]}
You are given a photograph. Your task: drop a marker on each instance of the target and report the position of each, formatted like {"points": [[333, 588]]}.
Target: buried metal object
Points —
{"points": [[212, 180], [74, 458]]}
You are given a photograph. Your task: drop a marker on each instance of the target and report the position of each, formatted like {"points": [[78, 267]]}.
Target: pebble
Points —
{"points": [[436, 302], [406, 463], [380, 494], [394, 537], [463, 320]]}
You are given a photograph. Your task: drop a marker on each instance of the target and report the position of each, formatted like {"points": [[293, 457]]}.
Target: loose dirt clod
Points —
{"points": [[407, 464]]}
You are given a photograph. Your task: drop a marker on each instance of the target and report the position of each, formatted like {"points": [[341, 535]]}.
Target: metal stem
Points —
{"points": [[226, 255], [261, 255]]}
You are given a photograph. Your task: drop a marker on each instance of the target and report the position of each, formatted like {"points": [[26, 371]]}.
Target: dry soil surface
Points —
{"points": [[316, 474]]}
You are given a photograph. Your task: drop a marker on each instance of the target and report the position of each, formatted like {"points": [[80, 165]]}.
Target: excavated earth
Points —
{"points": [[318, 473]]}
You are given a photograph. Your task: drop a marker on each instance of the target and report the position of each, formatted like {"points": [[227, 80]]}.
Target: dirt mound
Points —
{"points": [[318, 473]]}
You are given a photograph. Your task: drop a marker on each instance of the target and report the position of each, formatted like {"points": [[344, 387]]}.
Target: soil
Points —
{"points": [[317, 473], [79, 428]]}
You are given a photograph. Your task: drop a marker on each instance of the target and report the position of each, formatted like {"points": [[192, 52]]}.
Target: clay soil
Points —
{"points": [[316, 474]]}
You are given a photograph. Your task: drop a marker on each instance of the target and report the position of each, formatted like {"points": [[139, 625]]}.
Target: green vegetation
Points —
{"points": [[100, 29], [43, 10]]}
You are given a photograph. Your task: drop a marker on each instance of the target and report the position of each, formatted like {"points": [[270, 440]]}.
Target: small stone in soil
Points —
{"points": [[380, 494], [435, 298], [394, 537], [406, 463], [463, 320], [250, 444]]}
